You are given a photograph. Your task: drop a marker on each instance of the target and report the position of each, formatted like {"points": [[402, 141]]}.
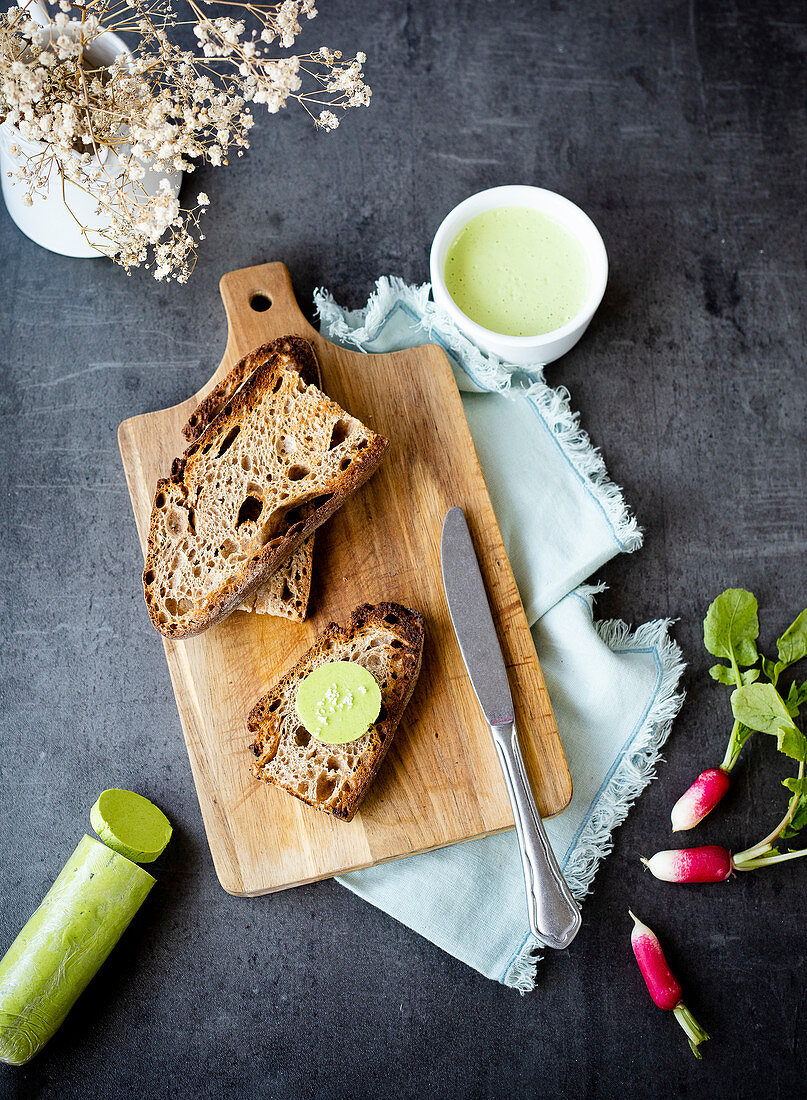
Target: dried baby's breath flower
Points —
{"points": [[162, 108]]}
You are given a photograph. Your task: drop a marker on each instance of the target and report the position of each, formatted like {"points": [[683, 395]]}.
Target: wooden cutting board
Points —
{"points": [[440, 782]]}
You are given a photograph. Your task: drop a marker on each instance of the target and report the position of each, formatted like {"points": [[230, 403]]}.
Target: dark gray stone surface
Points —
{"points": [[681, 129]]}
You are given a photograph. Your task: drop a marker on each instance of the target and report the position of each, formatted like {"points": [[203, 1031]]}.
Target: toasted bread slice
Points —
{"points": [[287, 592], [278, 461], [387, 639]]}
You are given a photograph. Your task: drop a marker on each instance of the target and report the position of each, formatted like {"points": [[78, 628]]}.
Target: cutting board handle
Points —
{"points": [[259, 303]]}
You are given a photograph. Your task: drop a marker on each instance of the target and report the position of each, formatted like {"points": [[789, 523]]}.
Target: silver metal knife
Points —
{"points": [[553, 913]]}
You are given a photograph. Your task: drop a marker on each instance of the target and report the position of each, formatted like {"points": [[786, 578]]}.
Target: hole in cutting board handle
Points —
{"points": [[260, 302]]}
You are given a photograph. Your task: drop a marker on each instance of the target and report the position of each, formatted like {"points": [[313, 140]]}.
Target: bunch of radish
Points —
{"points": [[730, 632]]}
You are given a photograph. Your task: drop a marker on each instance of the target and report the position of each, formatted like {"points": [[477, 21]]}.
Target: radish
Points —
{"points": [[701, 798], [661, 983], [711, 863], [730, 632], [757, 707]]}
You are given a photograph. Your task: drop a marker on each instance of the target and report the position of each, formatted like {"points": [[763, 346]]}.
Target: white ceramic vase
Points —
{"points": [[64, 218]]}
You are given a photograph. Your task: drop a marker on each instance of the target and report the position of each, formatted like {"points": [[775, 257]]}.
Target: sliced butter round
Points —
{"points": [[338, 702], [130, 825]]}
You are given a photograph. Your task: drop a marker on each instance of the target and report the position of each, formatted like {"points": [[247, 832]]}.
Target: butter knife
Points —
{"points": [[553, 913]]}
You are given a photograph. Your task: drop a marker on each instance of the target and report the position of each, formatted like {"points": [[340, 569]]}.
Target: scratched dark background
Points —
{"points": [[681, 129]]}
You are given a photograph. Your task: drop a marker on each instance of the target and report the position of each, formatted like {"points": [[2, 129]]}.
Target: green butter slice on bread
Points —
{"points": [[386, 639], [338, 701]]}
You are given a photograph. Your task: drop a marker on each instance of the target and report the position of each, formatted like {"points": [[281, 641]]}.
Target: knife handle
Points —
{"points": [[553, 913]]}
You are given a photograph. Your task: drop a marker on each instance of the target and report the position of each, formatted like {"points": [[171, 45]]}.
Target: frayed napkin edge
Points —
{"points": [[633, 773]]}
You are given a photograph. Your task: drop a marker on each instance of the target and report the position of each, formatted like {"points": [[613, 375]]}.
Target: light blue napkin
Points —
{"points": [[613, 689]]}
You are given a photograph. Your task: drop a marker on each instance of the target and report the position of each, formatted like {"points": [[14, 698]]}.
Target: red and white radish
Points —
{"points": [[711, 863], [701, 798], [661, 983]]}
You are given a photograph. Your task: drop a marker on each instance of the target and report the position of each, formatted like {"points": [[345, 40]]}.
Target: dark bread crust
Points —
{"points": [[243, 585], [408, 627], [213, 405]]}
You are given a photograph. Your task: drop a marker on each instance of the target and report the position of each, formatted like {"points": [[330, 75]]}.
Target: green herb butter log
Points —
{"points": [[64, 943]]}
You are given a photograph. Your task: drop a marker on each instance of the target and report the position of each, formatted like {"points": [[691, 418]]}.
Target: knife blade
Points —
{"points": [[473, 621], [553, 914]]}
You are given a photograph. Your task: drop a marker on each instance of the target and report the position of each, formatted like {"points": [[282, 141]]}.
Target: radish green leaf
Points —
{"points": [[792, 646], [731, 627], [724, 675], [761, 707]]}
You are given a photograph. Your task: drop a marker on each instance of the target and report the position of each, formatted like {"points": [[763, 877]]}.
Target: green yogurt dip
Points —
{"points": [[517, 272]]}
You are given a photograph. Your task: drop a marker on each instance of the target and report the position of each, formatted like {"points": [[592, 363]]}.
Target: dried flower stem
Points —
{"points": [[121, 130]]}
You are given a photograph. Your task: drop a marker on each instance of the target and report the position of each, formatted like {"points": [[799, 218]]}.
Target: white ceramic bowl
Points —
{"points": [[522, 350]]}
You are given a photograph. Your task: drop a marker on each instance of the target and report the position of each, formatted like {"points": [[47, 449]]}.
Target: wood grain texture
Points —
{"points": [[440, 782]]}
